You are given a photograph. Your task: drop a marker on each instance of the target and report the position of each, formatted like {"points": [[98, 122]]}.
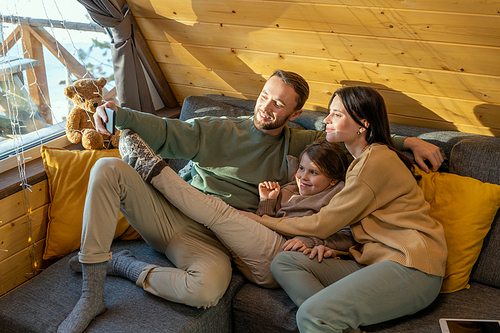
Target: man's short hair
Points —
{"points": [[298, 84]]}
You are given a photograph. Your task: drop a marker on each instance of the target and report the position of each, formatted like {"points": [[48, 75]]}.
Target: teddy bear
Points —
{"points": [[80, 127]]}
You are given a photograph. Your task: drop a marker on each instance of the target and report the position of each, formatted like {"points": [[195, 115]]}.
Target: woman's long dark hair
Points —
{"points": [[362, 102]]}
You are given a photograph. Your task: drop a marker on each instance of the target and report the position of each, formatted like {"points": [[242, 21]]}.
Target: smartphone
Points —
{"points": [[469, 325], [110, 125]]}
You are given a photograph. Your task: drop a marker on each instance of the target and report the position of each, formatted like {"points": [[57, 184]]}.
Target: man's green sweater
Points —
{"points": [[230, 156]]}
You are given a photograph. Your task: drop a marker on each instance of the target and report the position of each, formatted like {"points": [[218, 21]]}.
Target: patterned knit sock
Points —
{"points": [[91, 303], [139, 155], [122, 264]]}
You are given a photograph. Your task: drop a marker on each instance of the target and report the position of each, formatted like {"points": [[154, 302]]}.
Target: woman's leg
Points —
{"points": [[302, 277], [369, 295], [252, 245]]}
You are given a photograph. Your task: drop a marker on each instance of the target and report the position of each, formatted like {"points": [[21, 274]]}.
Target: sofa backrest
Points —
{"points": [[479, 157]]}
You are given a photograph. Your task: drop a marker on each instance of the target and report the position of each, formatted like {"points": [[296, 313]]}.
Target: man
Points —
{"points": [[249, 150]]}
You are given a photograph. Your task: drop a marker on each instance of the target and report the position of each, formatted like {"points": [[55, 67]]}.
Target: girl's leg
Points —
{"points": [[369, 295], [252, 245]]}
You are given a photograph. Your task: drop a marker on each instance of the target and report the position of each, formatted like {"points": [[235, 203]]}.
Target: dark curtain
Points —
{"points": [[131, 85]]}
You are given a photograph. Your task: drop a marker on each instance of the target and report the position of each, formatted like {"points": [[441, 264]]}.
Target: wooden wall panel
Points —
{"points": [[345, 19], [484, 89], [435, 62], [15, 205], [18, 268], [401, 52], [17, 254], [407, 109], [15, 235], [160, 9]]}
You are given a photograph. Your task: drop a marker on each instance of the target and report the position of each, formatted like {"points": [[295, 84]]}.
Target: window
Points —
{"points": [[46, 45]]}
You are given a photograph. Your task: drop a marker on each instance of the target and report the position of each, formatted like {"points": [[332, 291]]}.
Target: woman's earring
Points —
{"points": [[359, 132]]}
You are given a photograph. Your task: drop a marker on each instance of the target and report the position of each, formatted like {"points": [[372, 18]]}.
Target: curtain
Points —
{"points": [[131, 85]]}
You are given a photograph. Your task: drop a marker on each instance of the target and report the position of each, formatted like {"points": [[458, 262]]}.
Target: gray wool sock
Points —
{"points": [[123, 264], [91, 303]]}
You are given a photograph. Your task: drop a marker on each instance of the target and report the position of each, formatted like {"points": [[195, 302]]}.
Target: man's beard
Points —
{"points": [[270, 125]]}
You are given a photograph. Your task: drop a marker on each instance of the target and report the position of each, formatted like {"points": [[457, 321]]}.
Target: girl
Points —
{"points": [[400, 260], [317, 179]]}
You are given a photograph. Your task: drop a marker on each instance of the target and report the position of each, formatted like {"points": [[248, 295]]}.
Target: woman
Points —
{"points": [[398, 266]]}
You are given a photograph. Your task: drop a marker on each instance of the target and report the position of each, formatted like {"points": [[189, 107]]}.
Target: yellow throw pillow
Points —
{"points": [[466, 208], [68, 175]]}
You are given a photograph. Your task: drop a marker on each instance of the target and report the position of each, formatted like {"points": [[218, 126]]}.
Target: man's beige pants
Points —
{"points": [[203, 265]]}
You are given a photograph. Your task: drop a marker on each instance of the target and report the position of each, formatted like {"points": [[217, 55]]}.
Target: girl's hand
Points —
{"points": [[294, 244], [269, 190], [320, 250]]}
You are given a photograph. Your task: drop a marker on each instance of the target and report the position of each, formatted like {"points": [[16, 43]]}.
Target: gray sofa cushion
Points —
{"points": [[202, 106], [45, 301], [257, 309], [465, 156], [477, 157]]}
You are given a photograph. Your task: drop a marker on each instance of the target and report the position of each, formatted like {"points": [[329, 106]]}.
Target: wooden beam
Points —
{"points": [[152, 68], [35, 22], [9, 42], [110, 94], [39, 92], [62, 54]]}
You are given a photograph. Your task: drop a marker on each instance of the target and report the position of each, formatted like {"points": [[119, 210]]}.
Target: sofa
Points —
{"points": [[42, 303]]}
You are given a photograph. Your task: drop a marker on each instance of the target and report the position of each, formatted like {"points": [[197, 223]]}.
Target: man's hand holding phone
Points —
{"points": [[104, 118]]}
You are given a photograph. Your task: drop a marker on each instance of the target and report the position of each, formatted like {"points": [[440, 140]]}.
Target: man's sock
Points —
{"points": [[139, 155], [91, 303], [123, 264], [127, 265]]}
